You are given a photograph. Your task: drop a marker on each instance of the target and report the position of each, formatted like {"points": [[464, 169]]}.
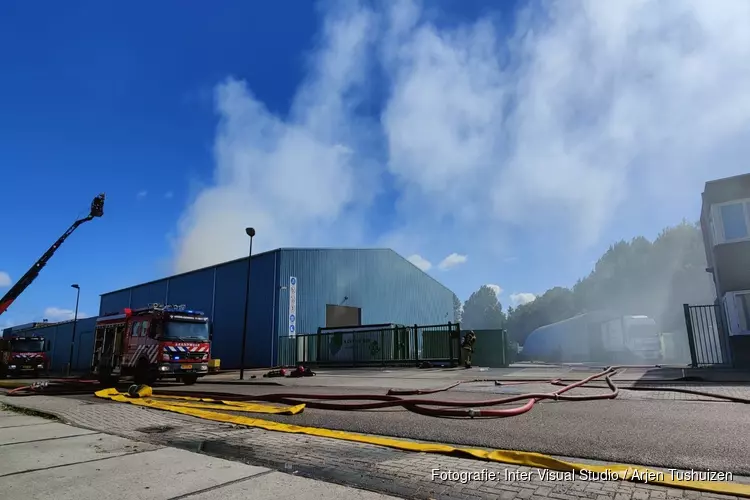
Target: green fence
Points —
{"points": [[375, 345]]}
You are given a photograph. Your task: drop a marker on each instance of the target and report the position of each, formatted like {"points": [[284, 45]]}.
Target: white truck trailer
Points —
{"points": [[596, 337]]}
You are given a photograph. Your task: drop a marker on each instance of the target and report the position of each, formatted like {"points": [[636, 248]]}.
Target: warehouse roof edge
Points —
{"points": [[281, 249]]}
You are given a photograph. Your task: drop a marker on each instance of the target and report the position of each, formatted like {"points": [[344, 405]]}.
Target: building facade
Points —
{"points": [[725, 223], [295, 291]]}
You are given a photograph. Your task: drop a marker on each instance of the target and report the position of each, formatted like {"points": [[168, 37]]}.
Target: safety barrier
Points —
{"points": [[373, 345]]}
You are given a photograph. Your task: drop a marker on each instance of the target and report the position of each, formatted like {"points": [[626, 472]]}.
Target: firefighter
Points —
{"points": [[468, 347]]}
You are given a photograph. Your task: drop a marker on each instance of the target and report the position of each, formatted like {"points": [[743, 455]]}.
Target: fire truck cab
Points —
{"points": [[23, 353], [151, 343]]}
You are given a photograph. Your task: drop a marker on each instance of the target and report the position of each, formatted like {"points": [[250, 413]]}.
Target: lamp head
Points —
{"points": [[250, 231]]}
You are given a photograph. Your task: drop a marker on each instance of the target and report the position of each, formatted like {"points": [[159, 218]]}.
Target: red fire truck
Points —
{"points": [[154, 342], [22, 352]]}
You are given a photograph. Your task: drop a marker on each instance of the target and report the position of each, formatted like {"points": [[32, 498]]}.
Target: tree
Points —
{"points": [[631, 277], [482, 311], [456, 309], [556, 304]]}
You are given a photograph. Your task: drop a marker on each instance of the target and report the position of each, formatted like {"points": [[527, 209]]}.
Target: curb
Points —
{"points": [[33, 412]]}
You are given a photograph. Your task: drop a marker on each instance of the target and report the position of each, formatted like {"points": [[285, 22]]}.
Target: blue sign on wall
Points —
{"points": [[292, 306]]}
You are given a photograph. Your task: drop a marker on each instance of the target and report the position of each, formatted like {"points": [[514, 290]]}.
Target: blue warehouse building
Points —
{"points": [[297, 290]]}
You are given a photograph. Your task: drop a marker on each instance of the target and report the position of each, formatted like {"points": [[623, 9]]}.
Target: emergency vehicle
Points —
{"points": [[155, 342], [23, 353]]}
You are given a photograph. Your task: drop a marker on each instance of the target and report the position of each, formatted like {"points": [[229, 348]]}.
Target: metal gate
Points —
{"points": [[373, 345], [708, 335]]}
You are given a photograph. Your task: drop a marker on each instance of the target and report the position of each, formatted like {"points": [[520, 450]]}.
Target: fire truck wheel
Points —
{"points": [[189, 379]]}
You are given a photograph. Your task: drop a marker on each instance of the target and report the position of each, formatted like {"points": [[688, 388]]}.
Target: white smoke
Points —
{"points": [[588, 113]]}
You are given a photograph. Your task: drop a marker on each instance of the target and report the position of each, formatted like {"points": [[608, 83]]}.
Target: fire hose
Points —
{"points": [[56, 387], [450, 408], [395, 397]]}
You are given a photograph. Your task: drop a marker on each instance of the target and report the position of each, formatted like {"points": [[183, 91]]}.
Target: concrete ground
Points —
{"points": [[47, 459], [393, 472]]}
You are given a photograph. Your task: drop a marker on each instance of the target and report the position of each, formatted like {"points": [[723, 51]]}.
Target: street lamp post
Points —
{"points": [[250, 232], [75, 322]]}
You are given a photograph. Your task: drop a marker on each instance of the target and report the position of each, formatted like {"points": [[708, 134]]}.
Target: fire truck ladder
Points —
{"points": [[97, 210]]}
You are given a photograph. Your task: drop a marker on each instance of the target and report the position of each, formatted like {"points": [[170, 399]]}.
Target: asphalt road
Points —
{"points": [[679, 434]]}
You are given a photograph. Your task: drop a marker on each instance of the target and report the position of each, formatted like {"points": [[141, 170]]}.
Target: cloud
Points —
{"points": [[141, 194], [5, 280], [452, 261], [496, 289], [584, 113], [517, 299], [296, 180], [57, 314], [420, 262]]}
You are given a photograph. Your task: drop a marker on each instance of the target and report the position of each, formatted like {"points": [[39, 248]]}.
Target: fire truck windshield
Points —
{"points": [[186, 330], [25, 345]]}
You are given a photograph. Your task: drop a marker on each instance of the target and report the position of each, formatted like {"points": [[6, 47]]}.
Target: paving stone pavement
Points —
{"points": [[394, 472]]}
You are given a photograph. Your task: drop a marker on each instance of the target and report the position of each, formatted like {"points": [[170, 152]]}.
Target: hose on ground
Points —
{"points": [[395, 397], [56, 387], [445, 408]]}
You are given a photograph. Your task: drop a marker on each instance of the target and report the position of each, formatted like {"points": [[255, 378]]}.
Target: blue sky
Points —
{"points": [[524, 140]]}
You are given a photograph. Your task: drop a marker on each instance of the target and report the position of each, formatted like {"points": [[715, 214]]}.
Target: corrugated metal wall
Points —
{"points": [[59, 338], [228, 309], [219, 292], [387, 287]]}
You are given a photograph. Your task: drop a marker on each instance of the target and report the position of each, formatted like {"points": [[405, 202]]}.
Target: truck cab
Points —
{"points": [[642, 338], [152, 343], [632, 339], [23, 354]]}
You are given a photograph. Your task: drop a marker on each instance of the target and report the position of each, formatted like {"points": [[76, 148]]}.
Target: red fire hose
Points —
{"points": [[430, 407], [56, 387]]}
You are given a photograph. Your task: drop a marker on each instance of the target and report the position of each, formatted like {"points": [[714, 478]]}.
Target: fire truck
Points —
{"points": [[151, 343], [22, 352]]}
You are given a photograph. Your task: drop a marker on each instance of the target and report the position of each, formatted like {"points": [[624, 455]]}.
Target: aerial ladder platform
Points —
{"points": [[97, 210]]}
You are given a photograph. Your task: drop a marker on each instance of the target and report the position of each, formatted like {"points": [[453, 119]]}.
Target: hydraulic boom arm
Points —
{"points": [[97, 210]]}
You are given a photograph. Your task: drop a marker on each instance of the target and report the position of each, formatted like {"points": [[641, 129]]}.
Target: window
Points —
{"points": [[731, 221], [144, 329], [136, 329]]}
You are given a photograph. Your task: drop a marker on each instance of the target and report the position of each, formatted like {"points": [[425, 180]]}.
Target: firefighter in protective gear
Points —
{"points": [[468, 347]]}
